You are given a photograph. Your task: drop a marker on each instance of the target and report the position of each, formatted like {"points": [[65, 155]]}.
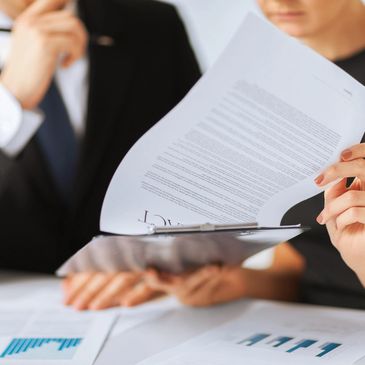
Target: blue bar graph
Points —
{"points": [[290, 344], [302, 345], [42, 348], [279, 341], [327, 348], [253, 340]]}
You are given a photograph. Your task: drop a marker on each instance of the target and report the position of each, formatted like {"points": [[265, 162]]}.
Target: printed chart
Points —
{"points": [[278, 334], [290, 344], [41, 348]]}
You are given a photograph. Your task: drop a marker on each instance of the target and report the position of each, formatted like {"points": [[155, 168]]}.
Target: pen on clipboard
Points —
{"points": [[94, 39]]}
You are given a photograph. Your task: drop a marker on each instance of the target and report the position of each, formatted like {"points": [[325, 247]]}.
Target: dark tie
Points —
{"points": [[58, 142]]}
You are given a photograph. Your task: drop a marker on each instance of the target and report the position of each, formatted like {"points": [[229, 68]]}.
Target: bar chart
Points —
{"points": [[41, 348], [290, 344]]}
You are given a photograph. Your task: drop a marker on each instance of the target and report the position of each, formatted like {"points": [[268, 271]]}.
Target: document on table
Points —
{"points": [[245, 144], [272, 333], [125, 318], [60, 337]]}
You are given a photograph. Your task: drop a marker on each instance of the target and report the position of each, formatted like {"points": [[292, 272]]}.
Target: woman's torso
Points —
{"points": [[327, 280]]}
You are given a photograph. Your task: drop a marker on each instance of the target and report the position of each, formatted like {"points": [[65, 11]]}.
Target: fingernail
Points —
{"points": [[320, 219], [346, 155], [319, 179]]}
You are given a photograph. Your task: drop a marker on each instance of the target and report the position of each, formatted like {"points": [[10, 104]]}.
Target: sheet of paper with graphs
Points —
{"points": [[274, 333], [51, 336]]}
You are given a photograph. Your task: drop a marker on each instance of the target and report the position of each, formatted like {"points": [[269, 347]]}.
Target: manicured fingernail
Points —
{"points": [[320, 219], [319, 179], [346, 155]]}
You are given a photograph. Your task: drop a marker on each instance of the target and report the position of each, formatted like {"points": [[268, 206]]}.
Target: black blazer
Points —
{"points": [[132, 85]]}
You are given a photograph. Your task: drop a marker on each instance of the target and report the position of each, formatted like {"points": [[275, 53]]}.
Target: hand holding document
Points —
{"points": [[244, 146], [273, 333]]}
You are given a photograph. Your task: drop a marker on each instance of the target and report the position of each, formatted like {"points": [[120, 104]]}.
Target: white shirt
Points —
{"points": [[18, 126]]}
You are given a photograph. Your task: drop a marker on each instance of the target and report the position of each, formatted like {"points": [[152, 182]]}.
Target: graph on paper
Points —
{"points": [[41, 348], [290, 344]]}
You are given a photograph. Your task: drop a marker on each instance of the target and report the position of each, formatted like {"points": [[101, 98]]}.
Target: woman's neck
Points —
{"points": [[345, 38]]}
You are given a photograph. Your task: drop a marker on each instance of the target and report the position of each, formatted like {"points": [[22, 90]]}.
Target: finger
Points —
{"points": [[73, 41], [76, 284], [350, 199], [62, 22], [167, 284], [329, 195], [164, 277], [198, 279], [90, 291], [44, 6], [170, 283], [335, 191], [67, 46], [349, 217], [354, 152], [341, 170], [357, 184], [119, 285], [66, 284], [203, 297], [141, 293]]}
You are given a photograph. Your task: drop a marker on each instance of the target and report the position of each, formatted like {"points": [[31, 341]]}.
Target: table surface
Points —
{"points": [[136, 344], [142, 341]]}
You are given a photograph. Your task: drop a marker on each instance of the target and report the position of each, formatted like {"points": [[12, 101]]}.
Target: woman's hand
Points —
{"points": [[96, 291], [344, 211], [208, 286], [219, 284]]}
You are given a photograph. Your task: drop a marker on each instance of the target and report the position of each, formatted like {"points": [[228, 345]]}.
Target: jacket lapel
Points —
{"points": [[110, 74]]}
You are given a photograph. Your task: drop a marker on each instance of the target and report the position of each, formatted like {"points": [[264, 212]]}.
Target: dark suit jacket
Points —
{"points": [[132, 85]]}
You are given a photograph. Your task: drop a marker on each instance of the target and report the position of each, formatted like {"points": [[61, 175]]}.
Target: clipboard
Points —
{"points": [[177, 249]]}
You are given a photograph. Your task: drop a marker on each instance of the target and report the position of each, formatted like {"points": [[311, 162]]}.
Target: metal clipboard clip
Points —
{"points": [[201, 228], [210, 228]]}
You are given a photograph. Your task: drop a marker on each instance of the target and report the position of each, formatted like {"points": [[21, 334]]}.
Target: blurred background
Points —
{"points": [[211, 27]]}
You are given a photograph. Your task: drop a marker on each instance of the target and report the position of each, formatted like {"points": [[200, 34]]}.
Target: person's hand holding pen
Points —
{"points": [[344, 211], [43, 36]]}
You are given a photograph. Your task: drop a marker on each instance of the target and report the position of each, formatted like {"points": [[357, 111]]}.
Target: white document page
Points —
{"points": [[247, 142], [125, 318], [129, 318], [60, 337], [272, 333]]}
